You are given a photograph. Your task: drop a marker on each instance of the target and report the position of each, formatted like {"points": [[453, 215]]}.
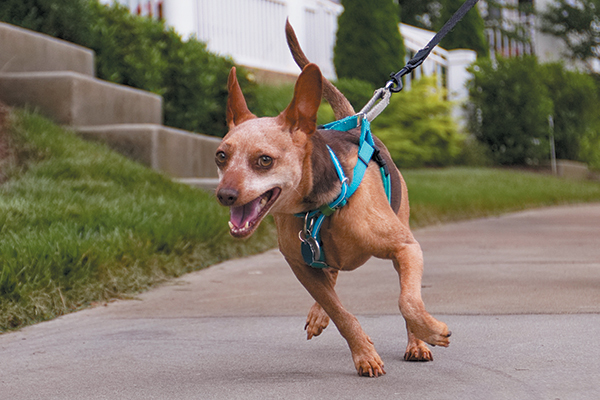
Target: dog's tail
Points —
{"points": [[339, 103]]}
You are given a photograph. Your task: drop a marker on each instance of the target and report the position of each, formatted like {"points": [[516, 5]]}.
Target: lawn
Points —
{"points": [[452, 194], [81, 224]]}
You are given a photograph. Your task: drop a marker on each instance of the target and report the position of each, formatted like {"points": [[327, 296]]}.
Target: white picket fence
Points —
{"points": [[252, 33]]}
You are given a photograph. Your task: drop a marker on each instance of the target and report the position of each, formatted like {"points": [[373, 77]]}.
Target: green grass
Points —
{"points": [[452, 194], [81, 224]]}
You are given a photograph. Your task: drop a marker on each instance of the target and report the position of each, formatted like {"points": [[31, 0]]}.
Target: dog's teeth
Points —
{"points": [[247, 225], [231, 226], [263, 202]]}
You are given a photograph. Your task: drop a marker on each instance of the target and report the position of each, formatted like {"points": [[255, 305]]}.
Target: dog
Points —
{"points": [[282, 166]]}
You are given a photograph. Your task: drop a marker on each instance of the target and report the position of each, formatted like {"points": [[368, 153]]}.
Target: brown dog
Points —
{"points": [[282, 166]]}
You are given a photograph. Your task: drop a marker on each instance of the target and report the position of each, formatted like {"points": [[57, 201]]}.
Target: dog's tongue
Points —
{"points": [[248, 212]]}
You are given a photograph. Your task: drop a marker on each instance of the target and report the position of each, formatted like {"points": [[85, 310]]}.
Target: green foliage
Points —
{"points": [[271, 100], [129, 50], [64, 19], [510, 102], [576, 23], [590, 147], [575, 108], [368, 43], [468, 33], [420, 13], [357, 92], [418, 129], [79, 224], [509, 110]]}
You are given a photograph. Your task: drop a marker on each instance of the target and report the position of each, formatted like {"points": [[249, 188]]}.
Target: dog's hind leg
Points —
{"points": [[420, 324], [317, 319]]}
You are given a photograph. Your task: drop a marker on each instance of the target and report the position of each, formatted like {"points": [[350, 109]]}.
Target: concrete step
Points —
{"points": [[208, 184], [57, 78], [22, 50], [71, 98], [178, 153]]}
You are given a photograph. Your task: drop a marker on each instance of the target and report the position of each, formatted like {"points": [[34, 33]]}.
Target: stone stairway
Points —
{"points": [[57, 78]]}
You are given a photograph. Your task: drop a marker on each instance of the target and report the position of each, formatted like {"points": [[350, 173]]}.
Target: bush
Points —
{"points": [[509, 108], [575, 105], [418, 129], [270, 100], [358, 92], [368, 42], [511, 99], [468, 34], [64, 19], [589, 151]]}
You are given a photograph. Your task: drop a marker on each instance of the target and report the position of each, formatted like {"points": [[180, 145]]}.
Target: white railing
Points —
{"points": [[252, 32], [450, 67]]}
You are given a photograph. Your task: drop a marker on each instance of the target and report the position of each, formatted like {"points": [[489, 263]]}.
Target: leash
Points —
{"points": [[310, 235], [394, 85]]}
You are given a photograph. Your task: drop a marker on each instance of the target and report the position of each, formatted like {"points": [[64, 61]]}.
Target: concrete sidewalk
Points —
{"points": [[521, 294]]}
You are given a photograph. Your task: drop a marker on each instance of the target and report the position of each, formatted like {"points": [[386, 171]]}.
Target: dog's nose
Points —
{"points": [[227, 196]]}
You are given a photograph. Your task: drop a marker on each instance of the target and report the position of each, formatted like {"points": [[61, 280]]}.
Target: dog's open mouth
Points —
{"points": [[245, 219]]}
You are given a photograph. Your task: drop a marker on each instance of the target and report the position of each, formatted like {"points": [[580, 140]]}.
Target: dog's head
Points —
{"points": [[263, 161]]}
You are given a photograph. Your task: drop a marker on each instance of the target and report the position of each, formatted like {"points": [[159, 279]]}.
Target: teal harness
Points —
{"points": [[311, 247]]}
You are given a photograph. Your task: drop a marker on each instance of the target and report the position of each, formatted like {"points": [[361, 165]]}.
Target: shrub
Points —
{"points": [[64, 19], [468, 34], [357, 91], [590, 147], [270, 100], [368, 42], [575, 105], [509, 108], [511, 99], [418, 129]]}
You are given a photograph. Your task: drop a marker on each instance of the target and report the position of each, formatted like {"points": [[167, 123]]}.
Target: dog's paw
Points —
{"points": [[417, 351], [316, 321], [434, 332], [369, 365]]}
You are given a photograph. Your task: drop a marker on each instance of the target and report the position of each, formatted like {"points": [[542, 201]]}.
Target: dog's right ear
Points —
{"points": [[237, 109]]}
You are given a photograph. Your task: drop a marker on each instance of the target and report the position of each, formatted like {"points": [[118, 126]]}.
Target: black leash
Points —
{"points": [[395, 83], [382, 96]]}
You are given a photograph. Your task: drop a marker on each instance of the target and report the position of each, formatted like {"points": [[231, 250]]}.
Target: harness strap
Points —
{"points": [[310, 235]]}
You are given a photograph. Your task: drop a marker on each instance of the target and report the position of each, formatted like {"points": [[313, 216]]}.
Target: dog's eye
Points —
{"points": [[265, 161], [220, 157]]}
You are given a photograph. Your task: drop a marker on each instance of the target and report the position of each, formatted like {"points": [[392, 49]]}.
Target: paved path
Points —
{"points": [[521, 294]]}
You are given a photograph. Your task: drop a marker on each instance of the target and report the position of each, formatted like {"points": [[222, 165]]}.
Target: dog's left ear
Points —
{"points": [[301, 114], [237, 109]]}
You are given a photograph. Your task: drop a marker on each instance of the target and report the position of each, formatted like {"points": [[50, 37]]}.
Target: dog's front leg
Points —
{"points": [[317, 319], [320, 285], [420, 324]]}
